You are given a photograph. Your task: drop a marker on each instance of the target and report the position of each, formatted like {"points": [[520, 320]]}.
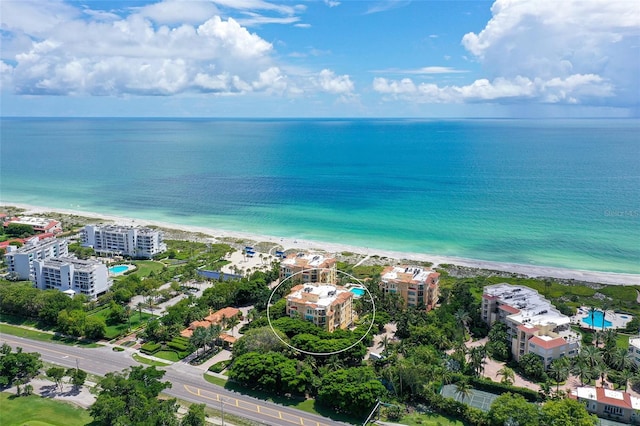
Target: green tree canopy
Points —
{"points": [[353, 391], [566, 412], [513, 408]]}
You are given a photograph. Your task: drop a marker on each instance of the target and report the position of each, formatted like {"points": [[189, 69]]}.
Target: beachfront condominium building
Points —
{"points": [[40, 225], [417, 286], [609, 404], [309, 268], [327, 306], [72, 276], [143, 243], [534, 325], [20, 260]]}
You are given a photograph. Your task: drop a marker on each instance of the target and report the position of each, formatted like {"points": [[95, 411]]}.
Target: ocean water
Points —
{"points": [[562, 193]]}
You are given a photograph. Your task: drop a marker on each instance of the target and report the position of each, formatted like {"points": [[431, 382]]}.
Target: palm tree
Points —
{"points": [[463, 318], [199, 337], [626, 375], [507, 374], [213, 332], [600, 370], [139, 306], [592, 313], [621, 360], [605, 309], [591, 355], [232, 322], [384, 343], [463, 390], [476, 360], [559, 371], [583, 370]]}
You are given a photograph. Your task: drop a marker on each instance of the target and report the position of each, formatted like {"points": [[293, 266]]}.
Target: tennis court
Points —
{"points": [[476, 398]]}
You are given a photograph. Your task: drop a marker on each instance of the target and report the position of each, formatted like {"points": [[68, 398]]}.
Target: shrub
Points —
{"points": [[500, 388], [150, 348], [180, 347], [219, 366], [118, 349]]}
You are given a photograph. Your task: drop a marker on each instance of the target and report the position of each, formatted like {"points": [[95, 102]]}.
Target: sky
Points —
{"points": [[324, 58]]}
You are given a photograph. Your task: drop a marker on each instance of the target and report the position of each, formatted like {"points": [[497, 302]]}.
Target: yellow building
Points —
{"points": [[417, 286], [325, 305], [309, 268]]}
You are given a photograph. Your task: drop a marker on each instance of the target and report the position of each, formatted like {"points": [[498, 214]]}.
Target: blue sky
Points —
{"points": [[326, 58]]}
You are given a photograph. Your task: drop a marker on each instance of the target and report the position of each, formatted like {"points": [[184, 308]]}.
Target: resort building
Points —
{"points": [[40, 225], [20, 261], [220, 318], [325, 305], [72, 276], [534, 325], [309, 268], [417, 286], [609, 404], [634, 349], [143, 243]]}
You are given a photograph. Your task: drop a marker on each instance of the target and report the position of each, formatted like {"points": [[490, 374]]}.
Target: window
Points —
{"points": [[610, 409]]}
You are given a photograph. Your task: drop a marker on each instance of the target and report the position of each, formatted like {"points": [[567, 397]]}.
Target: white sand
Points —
{"points": [[290, 243]]}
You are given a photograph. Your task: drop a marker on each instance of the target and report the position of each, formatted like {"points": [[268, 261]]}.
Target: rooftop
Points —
{"points": [[406, 273], [37, 222], [307, 260], [531, 307], [608, 396], [322, 295], [79, 264]]}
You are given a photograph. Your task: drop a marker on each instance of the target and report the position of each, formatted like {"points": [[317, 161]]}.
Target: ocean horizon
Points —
{"points": [[559, 192]]}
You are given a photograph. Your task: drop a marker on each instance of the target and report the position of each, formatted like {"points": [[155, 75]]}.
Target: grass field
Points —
{"points": [[429, 420], [114, 331], [44, 337], [145, 267], [37, 411], [148, 361], [307, 405]]}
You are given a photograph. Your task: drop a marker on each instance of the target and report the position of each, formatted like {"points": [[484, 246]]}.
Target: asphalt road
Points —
{"points": [[187, 382]]}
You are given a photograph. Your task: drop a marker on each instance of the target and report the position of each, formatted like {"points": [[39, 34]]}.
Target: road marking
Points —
{"points": [[294, 419], [18, 342]]}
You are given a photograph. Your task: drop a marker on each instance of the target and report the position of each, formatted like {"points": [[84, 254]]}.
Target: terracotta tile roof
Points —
{"points": [[548, 344], [227, 338], [528, 328], [604, 396], [509, 309]]}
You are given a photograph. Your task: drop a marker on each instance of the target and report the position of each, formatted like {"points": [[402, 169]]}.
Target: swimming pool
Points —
{"points": [[358, 291], [597, 320], [118, 269]]}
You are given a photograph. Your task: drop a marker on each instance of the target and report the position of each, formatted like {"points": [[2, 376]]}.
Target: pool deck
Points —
{"points": [[615, 318], [116, 274]]}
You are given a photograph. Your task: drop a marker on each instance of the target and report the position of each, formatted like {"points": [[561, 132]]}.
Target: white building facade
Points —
{"points": [[125, 241], [20, 261], [534, 325], [88, 277]]}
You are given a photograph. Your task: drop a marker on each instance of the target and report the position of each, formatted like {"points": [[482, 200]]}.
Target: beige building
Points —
{"points": [[417, 286], [534, 325], [609, 404], [309, 268], [325, 305]]}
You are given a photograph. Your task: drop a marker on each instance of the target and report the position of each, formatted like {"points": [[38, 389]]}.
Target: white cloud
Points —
{"points": [[506, 90], [569, 52], [329, 82], [146, 53], [383, 6], [424, 70], [563, 41], [332, 3], [179, 11]]}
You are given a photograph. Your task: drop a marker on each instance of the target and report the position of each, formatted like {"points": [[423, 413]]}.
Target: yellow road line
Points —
{"points": [[295, 419]]}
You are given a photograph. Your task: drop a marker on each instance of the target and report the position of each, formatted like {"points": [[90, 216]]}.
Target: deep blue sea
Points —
{"points": [[560, 193]]}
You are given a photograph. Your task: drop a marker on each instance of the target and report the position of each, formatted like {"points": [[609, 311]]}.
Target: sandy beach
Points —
{"points": [[289, 243]]}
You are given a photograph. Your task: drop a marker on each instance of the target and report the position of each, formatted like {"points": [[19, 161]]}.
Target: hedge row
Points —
{"points": [[181, 347], [150, 348], [489, 385]]}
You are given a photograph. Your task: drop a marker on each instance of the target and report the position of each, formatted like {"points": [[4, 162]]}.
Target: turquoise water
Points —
{"points": [[358, 291], [597, 320], [560, 193], [118, 269]]}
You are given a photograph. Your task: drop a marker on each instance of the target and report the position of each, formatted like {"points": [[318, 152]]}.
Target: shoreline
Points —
{"points": [[533, 271]]}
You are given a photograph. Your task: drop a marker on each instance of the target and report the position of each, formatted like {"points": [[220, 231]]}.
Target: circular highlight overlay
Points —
{"points": [[373, 318]]}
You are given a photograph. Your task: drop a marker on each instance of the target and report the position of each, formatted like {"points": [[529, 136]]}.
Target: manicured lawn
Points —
{"points": [[429, 420], [116, 330], [145, 267], [307, 405], [168, 355], [35, 410], [44, 337], [148, 361]]}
